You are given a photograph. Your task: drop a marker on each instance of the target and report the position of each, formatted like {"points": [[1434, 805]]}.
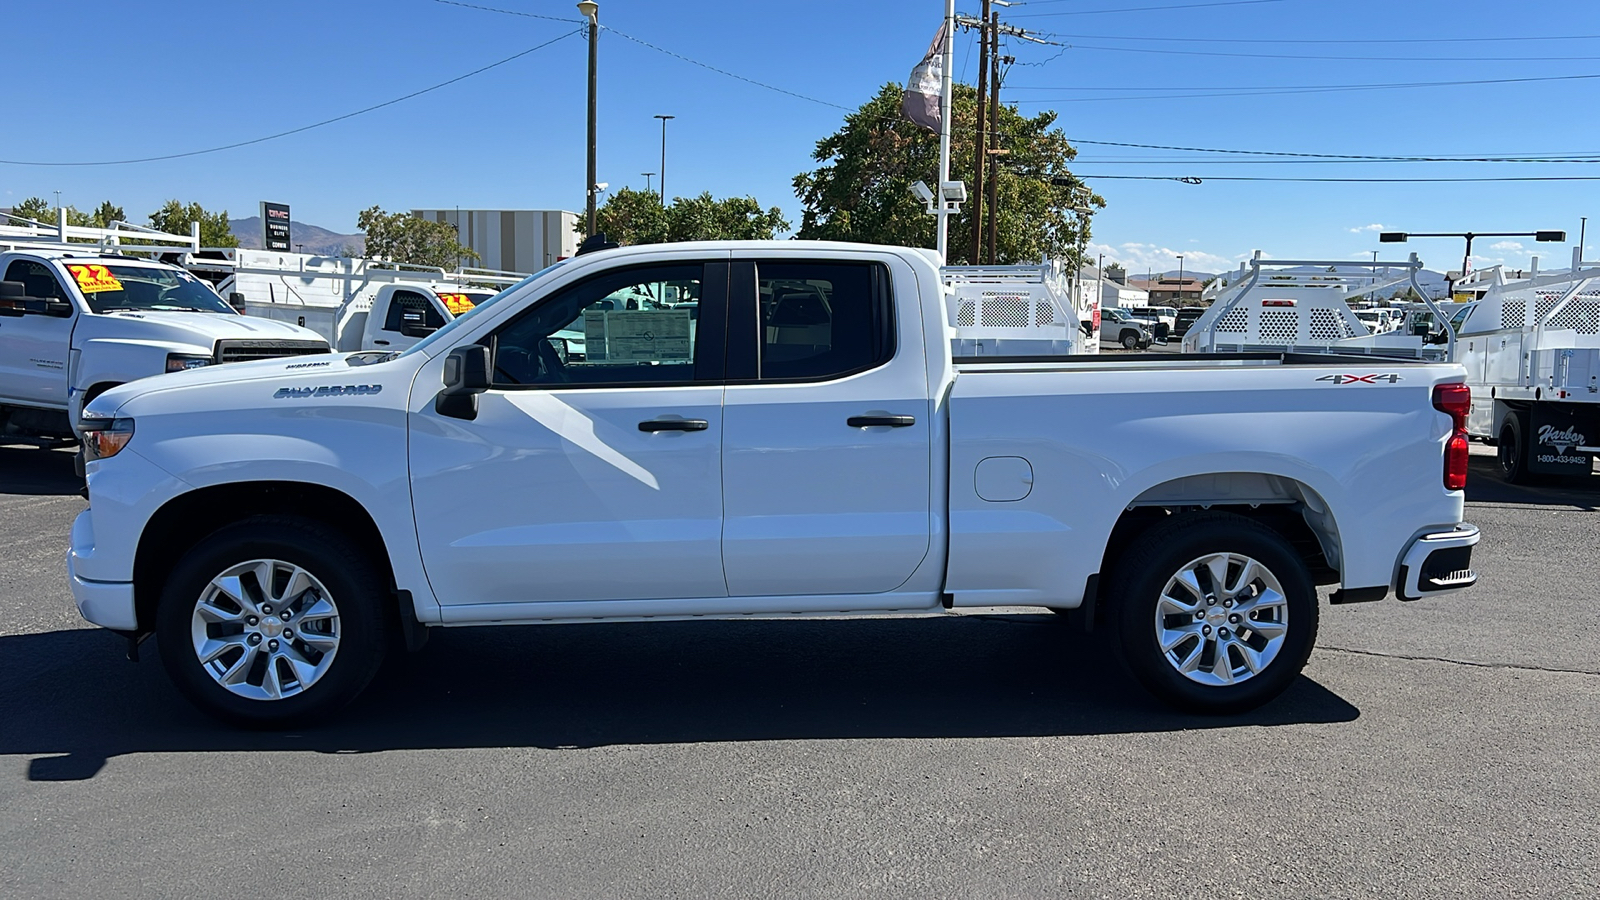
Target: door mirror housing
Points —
{"points": [[410, 329], [466, 375]]}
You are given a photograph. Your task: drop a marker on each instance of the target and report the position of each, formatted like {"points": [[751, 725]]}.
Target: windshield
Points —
{"points": [[109, 288], [468, 314]]}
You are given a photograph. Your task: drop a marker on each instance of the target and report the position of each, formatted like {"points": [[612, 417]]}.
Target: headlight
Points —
{"points": [[104, 438], [177, 362]]}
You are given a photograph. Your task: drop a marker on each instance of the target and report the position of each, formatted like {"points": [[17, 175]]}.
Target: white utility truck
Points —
{"points": [[1019, 311], [78, 318], [356, 304], [800, 442], [1531, 348]]}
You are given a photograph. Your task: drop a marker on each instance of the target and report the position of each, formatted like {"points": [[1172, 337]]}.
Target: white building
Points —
{"points": [[1113, 288], [512, 240]]}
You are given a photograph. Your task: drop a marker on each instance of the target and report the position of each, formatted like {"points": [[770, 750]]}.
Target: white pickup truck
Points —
{"points": [[801, 442], [76, 320]]}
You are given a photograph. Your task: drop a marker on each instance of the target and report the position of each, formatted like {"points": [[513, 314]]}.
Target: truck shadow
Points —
{"points": [[68, 698], [1484, 485], [35, 471]]}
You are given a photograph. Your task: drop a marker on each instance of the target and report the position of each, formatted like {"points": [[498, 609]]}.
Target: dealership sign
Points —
{"points": [[275, 225]]}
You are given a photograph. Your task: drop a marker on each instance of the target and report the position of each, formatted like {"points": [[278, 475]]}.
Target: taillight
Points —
{"points": [[1455, 401]]}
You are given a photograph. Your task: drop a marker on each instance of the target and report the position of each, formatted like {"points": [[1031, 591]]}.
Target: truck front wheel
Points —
{"points": [[1217, 613], [1130, 340], [273, 621]]}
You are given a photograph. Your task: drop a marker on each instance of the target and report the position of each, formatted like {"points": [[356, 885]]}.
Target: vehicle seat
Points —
{"points": [[800, 316]]}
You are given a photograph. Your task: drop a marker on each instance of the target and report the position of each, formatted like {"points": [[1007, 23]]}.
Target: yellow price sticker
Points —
{"points": [[93, 279], [457, 303]]}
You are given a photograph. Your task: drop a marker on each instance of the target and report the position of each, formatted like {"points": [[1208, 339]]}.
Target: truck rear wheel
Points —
{"points": [[1512, 451], [273, 621], [1217, 613]]}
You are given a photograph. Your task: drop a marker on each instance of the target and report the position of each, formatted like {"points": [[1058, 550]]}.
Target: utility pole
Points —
{"points": [[978, 141], [946, 88], [591, 11], [994, 137], [664, 157]]}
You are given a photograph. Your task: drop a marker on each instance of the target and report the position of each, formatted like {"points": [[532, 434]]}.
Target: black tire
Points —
{"points": [[1143, 573], [1511, 452], [1130, 340], [354, 583]]}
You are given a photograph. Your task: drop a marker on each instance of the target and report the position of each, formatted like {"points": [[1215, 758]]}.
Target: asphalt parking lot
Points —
{"points": [[1437, 749]]}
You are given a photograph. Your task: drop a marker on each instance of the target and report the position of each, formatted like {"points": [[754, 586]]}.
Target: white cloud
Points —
{"points": [[1506, 245], [1362, 228], [1141, 258]]}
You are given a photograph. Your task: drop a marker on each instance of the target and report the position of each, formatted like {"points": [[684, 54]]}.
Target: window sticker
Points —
{"points": [[457, 303], [92, 279]]}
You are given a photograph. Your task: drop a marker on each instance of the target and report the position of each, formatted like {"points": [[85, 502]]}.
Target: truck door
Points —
{"points": [[825, 459], [35, 339], [402, 316], [583, 479]]}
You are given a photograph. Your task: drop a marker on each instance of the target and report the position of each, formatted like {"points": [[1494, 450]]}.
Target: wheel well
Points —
{"points": [[98, 389], [189, 518], [1293, 510]]}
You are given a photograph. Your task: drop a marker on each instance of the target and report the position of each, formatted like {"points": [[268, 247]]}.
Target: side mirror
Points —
{"points": [[466, 375], [56, 308], [11, 296], [417, 331], [236, 300]]}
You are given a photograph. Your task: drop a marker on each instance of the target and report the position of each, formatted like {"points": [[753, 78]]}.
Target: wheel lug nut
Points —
{"points": [[1199, 616], [1228, 603], [267, 608], [272, 645], [1221, 633], [1205, 629], [251, 621], [288, 634], [254, 639], [1211, 601], [286, 615], [1234, 618]]}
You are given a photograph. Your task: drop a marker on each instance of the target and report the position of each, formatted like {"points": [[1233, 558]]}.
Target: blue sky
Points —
{"points": [[108, 80]]}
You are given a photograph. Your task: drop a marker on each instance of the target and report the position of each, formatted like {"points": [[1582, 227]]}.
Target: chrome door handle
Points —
{"points": [[870, 421]]}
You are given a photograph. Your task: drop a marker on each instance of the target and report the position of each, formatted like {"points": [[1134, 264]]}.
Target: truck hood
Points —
{"points": [[189, 328], [295, 373]]}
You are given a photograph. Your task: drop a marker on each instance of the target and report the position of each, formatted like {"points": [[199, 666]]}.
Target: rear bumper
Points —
{"points": [[1438, 563]]}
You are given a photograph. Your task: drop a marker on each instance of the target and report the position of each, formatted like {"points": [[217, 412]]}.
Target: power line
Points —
{"points": [[1266, 92], [1457, 40], [1369, 86], [1096, 12], [678, 56], [281, 134], [1191, 161], [1341, 58], [1397, 158], [513, 12], [1189, 179]]}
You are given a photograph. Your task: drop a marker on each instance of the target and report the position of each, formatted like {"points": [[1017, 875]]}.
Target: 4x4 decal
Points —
{"points": [[1374, 378]]}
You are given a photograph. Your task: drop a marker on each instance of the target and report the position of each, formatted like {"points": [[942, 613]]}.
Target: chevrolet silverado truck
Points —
{"points": [[76, 320], [800, 443]]}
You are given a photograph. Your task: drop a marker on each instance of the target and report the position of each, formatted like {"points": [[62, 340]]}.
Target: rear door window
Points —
{"points": [[811, 321]]}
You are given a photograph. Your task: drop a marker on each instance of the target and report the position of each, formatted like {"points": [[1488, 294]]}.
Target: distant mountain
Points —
{"points": [[305, 238], [1434, 283]]}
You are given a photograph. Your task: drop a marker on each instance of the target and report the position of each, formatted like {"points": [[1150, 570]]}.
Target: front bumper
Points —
{"points": [[108, 604], [1438, 563]]}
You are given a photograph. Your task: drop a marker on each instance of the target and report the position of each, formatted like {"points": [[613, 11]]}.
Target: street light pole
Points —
{"points": [[591, 11], [664, 157], [647, 188], [1180, 279]]}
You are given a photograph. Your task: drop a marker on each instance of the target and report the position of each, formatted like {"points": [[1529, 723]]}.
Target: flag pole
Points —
{"points": [[943, 213]]}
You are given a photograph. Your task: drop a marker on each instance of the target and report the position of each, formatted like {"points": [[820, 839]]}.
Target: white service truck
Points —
{"points": [[77, 319], [1531, 349], [355, 304], [800, 442]]}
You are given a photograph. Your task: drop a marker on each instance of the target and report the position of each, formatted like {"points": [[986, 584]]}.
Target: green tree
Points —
{"points": [[175, 217], [404, 238], [40, 210], [106, 213], [35, 208], [637, 217], [861, 189]]}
